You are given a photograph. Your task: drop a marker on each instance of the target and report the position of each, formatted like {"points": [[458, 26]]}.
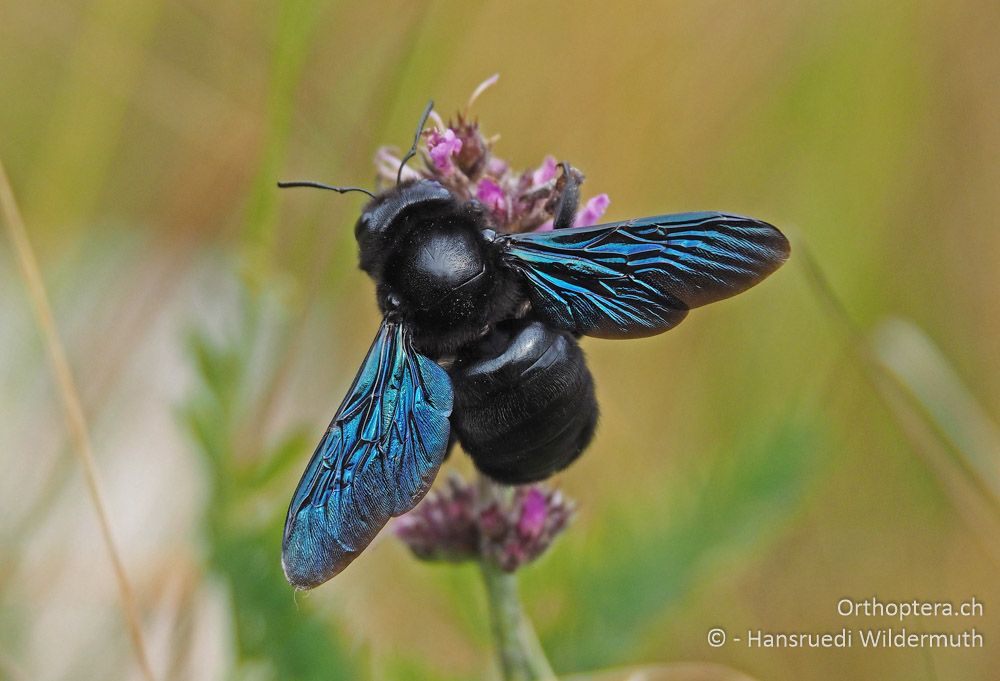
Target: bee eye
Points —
{"points": [[392, 302]]}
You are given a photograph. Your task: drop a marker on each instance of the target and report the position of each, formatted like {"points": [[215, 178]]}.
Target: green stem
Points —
{"points": [[519, 652]]}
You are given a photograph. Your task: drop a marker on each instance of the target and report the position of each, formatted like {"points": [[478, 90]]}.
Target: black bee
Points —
{"points": [[478, 343]]}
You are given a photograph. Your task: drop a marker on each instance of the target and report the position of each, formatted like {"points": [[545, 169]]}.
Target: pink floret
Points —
{"points": [[534, 510], [593, 211], [546, 172], [491, 195], [442, 147]]}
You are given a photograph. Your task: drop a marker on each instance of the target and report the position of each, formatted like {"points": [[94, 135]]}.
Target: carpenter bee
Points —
{"points": [[478, 343]]}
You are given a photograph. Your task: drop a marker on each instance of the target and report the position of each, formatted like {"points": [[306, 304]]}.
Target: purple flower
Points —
{"points": [[497, 167], [535, 516], [443, 526], [457, 524], [491, 195], [532, 520], [546, 172], [459, 156], [442, 147], [593, 211]]}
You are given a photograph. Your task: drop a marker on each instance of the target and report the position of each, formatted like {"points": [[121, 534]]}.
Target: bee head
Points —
{"points": [[391, 214], [433, 267], [425, 247]]}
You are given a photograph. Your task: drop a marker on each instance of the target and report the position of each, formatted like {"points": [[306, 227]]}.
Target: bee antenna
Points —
{"points": [[416, 139], [320, 185]]}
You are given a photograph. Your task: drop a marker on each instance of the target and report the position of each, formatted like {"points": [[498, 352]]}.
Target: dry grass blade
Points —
{"points": [[956, 437], [978, 512], [75, 420], [927, 377], [953, 436]]}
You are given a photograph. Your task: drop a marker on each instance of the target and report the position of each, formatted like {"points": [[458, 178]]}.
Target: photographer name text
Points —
{"points": [[864, 638], [893, 636]]}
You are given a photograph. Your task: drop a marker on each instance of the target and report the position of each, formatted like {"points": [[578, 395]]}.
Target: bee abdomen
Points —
{"points": [[524, 402]]}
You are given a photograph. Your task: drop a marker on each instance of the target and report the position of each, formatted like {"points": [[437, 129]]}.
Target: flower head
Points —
{"points": [[460, 523], [459, 156]]}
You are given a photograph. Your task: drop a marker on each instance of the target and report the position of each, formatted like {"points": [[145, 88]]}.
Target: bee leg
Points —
{"points": [[570, 197]]}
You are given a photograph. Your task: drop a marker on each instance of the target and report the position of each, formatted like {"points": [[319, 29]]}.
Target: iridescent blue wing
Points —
{"points": [[377, 459], [640, 277]]}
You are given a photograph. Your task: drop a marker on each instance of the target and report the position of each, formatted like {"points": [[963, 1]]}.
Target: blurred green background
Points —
{"points": [[751, 468]]}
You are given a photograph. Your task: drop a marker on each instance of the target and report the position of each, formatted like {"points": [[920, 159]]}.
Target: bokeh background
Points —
{"points": [[827, 434]]}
